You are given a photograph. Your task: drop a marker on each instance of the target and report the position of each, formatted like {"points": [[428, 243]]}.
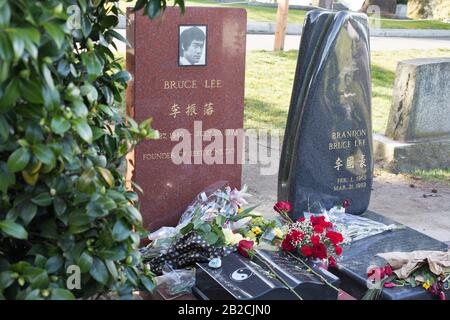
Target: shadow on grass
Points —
{"points": [[382, 77], [265, 114]]}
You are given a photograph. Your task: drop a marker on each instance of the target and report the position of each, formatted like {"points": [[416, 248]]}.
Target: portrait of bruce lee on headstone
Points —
{"points": [[192, 45]]}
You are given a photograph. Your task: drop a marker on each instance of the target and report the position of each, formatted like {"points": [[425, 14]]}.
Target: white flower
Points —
{"points": [[230, 237], [240, 223], [237, 197], [209, 215]]}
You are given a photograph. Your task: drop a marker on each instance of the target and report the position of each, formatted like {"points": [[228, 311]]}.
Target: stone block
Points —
{"points": [[420, 108]]}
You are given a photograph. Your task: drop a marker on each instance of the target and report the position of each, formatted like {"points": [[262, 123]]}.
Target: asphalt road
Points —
{"points": [[265, 42]]}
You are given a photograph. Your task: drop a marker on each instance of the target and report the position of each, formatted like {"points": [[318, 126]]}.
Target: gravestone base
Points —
{"points": [[359, 255], [408, 156]]}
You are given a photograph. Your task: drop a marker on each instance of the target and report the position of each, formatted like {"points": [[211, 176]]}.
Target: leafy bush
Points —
{"points": [[63, 199]]}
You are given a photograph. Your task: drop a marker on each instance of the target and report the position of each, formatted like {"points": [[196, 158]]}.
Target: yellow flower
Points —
{"points": [[256, 230], [426, 285], [240, 210], [278, 233]]}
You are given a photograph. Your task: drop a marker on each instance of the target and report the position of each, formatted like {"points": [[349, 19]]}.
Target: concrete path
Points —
{"points": [[265, 42]]}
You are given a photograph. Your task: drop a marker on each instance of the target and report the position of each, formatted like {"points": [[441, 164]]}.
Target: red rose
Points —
{"points": [[296, 235], [338, 250], [319, 251], [306, 251], [346, 203], [244, 246], [326, 224], [335, 237], [317, 220], [382, 273], [388, 285], [282, 206], [331, 262], [301, 219], [318, 229], [287, 245], [315, 240], [388, 270]]}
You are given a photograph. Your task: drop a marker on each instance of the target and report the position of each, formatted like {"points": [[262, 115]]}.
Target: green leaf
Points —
{"points": [[120, 231], [147, 283], [10, 95], [17, 43], [61, 294], [32, 91], [186, 229], [59, 125], [56, 33], [13, 229], [211, 238], [118, 36], [7, 178], [44, 199], [85, 262], [122, 76], [112, 269], [93, 65], [99, 271], [6, 279], [106, 175], [60, 206], [19, 159], [84, 130], [85, 181], [54, 264], [5, 14], [34, 295], [44, 154], [153, 8], [135, 215], [37, 277], [27, 212], [4, 128]]}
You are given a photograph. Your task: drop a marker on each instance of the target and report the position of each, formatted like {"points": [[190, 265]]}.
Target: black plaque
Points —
{"points": [[243, 279], [327, 148]]}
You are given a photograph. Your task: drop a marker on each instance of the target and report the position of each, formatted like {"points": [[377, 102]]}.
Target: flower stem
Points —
{"points": [[317, 274], [278, 277]]}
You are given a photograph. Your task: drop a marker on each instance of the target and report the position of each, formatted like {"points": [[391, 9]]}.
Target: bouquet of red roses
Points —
{"points": [[311, 238]]}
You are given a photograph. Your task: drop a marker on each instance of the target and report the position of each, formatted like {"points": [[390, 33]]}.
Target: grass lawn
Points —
{"points": [[269, 78], [433, 175], [267, 14]]}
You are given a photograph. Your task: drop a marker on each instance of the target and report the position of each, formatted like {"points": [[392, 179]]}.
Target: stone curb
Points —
{"points": [[296, 29]]}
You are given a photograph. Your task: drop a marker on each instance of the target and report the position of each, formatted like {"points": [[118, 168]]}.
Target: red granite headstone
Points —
{"points": [[188, 72]]}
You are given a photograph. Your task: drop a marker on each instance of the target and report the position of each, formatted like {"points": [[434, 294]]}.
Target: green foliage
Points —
{"points": [[63, 138]]}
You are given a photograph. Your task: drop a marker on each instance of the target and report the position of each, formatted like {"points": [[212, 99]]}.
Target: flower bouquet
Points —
{"points": [[211, 227], [312, 238]]}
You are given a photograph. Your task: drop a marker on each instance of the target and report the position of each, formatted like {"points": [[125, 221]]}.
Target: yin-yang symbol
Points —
{"points": [[241, 274]]}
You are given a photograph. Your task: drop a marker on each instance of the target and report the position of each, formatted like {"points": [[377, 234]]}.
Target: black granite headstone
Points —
{"points": [[359, 255], [243, 279], [327, 148]]}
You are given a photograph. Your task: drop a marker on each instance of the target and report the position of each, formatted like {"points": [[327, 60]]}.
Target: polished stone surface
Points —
{"points": [[359, 255], [177, 96], [327, 149], [243, 279]]}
